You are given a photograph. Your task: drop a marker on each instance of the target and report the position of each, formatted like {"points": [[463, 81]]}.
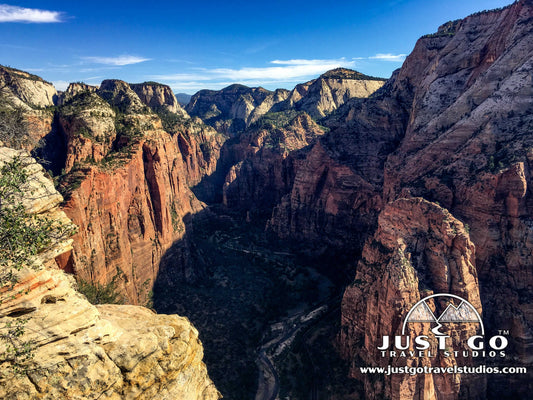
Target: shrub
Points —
{"points": [[22, 237]]}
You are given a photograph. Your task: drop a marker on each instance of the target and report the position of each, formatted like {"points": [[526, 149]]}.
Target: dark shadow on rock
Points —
{"points": [[209, 189], [51, 151]]}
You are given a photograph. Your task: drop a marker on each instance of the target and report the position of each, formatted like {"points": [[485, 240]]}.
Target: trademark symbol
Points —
{"points": [[503, 332]]}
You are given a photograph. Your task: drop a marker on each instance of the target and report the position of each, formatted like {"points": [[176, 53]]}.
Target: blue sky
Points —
{"points": [[192, 45]]}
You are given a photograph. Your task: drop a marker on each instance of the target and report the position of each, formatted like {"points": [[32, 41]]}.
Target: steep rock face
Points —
{"points": [[21, 92], [468, 147], [337, 188], [451, 126], [119, 94], [262, 172], [158, 97], [200, 147], [419, 249], [26, 90], [127, 186], [325, 94], [230, 110], [88, 125], [74, 89], [130, 210], [83, 351]]}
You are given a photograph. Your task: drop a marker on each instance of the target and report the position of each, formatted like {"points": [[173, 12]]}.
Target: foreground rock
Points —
{"points": [[85, 352]]}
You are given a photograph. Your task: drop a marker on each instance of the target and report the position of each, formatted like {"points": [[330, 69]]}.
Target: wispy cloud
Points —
{"points": [[389, 57], [117, 61], [19, 14], [281, 71], [60, 85]]}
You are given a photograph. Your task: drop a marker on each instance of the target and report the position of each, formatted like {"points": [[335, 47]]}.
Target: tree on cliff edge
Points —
{"points": [[22, 237]]}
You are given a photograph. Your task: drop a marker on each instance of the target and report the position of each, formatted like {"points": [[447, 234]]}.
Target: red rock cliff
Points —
{"points": [[419, 249], [453, 126], [128, 181]]}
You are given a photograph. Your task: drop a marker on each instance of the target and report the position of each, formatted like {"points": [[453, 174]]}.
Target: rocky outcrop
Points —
{"points": [[158, 97], [21, 89], [80, 351], [419, 249], [235, 108], [264, 159], [230, 110], [120, 95], [24, 96], [328, 92], [73, 90]]}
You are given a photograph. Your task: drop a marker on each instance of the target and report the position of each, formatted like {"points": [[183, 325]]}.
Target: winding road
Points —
{"points": [[268, 386]]}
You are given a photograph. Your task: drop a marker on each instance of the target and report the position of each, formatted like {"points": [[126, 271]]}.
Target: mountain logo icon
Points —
{"points": [[458, 310]]}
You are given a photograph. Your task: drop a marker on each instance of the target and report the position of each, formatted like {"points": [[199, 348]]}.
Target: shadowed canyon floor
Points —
{"points": [[251, 306]]}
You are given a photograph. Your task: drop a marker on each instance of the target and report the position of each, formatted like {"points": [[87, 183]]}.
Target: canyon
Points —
{"points": [[249, 208]]}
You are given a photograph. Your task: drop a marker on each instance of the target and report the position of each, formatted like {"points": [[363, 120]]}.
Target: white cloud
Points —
{"points": [[389, 57], [284, 71], [118, 61], [19, 14]]}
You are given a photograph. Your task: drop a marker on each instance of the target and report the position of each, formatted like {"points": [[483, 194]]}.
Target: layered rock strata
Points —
{"points": [[419, 249], [128, 186], [235, 108], [85, 352], [451, 126]]}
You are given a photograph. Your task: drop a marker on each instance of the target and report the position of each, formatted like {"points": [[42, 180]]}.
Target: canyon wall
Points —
{"points": [[419, 249], [125, 170], [451, 126], [84, 351], [127, 183]]}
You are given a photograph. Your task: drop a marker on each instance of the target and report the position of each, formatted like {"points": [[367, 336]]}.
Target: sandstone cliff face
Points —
{"points": [[451, 126], [128, 182], [419, 249], [120, 95], [85, 352], [230, 109], [74, 89], [25, 90], [328, 92], [260, 175], [158, 97], [337, 189], [235, 108], [30, 94]]}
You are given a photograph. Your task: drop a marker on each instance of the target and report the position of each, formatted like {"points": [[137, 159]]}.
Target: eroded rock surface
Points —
{"points": [[85, 352]]}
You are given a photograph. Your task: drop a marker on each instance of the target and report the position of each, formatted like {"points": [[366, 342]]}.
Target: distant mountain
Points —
{"points": [[233, 109], [183, 98]]}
